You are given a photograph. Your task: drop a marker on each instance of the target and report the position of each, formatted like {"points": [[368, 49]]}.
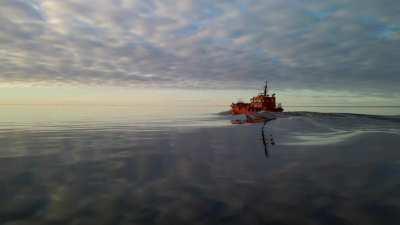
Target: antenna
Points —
{"points": [[266, 88]]}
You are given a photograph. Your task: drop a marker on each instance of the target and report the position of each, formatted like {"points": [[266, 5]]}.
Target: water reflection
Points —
{"points": [[218, 175], [268, 140]]}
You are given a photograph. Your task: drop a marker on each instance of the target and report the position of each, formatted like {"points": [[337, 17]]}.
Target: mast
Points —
{"points": [[266, 88]]}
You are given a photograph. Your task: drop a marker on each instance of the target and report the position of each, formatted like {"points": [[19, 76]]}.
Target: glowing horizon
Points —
{"points": [[113, 95]]}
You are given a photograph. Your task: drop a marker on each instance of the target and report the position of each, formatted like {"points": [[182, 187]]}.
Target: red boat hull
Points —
{"points": [[246, 111], [257, 104]]}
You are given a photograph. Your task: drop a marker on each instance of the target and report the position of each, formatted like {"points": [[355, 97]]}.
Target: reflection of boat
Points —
{"points": [[262, 117], [266, 141], [259, 118], [262, 102], [255, 118], [249, 119]]}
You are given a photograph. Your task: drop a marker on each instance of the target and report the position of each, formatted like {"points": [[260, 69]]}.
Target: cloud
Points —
{"points": [[308, 44]]}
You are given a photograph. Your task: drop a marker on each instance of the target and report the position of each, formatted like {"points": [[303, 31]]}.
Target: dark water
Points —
{"points": [[118, 166]]}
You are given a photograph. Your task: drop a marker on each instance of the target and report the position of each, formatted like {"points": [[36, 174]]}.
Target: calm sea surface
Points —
{"points": [[190, 165]]}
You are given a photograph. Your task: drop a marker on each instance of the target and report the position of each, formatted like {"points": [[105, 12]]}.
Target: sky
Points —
{"points": [[70, 49]]}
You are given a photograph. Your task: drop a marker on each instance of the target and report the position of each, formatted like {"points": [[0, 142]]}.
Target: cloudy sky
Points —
{"points": [[323, 45]]}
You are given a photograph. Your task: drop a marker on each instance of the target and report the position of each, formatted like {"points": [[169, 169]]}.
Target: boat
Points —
{"points": [[261, 102]]}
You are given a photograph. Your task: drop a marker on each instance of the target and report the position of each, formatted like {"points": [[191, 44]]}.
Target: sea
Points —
{"points": [[141, 164]]}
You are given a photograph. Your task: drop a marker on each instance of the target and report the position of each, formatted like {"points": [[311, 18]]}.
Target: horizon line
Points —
{"points": [[99, 104]]}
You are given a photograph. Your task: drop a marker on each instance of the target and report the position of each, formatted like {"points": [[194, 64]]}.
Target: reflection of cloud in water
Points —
{"points": [[334, 137], [202, 176]]}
